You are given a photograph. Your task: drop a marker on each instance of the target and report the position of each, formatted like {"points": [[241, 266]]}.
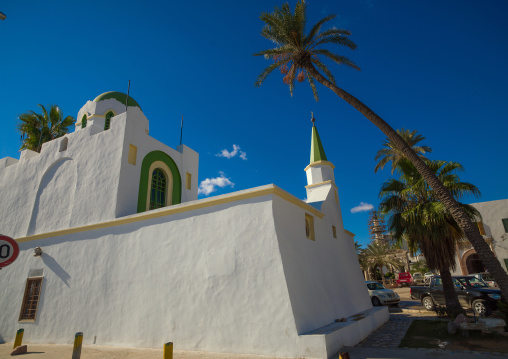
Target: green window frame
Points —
{"points": [[83, 121], [107, 122], [158, 190], [176, 191]]}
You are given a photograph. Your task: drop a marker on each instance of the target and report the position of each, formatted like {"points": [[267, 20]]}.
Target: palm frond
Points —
{"points": [[341, 60], [267, 72], [316, 28], [323, 68]]}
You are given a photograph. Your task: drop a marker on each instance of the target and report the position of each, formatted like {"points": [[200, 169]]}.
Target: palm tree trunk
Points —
{"points": [[453, 307], [471, 231]]}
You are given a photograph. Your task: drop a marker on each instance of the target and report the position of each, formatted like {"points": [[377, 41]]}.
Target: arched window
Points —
{"points": [[107, 123], [63, 144], [158, 189], [83, 121]]}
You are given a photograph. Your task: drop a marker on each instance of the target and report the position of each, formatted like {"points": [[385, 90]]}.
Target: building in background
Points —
{"points": [[494, 229]]}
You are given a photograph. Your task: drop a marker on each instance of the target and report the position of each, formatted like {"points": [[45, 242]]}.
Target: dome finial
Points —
{"points": [[312, 119]]}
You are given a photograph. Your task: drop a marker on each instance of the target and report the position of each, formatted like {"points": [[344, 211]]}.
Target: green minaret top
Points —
{"points": [[317, 152]]}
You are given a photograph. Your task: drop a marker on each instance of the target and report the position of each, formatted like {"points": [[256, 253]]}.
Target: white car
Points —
{"points": [[379, 295]]}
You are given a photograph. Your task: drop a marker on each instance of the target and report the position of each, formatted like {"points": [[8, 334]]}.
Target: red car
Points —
{"points": [[404, 279]]}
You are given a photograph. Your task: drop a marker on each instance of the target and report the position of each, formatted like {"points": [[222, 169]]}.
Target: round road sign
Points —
{"points": [[9, 250]]}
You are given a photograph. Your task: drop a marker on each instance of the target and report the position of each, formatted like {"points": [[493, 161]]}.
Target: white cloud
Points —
{"points": [[362, 207], [236, 151], [210, 185]]}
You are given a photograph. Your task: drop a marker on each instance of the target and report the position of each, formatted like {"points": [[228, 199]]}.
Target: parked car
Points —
{"points": [[418, 278], [404, 279], [379, 295], [473, 293], [428, 276], [487, 278]]}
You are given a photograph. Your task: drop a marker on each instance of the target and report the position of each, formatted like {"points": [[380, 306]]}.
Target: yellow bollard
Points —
{"points": [[19, 338], [168, 350], [78, 341]]}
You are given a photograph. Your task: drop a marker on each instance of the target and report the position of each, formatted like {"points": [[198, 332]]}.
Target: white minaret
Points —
{"points": [[320, 176]]}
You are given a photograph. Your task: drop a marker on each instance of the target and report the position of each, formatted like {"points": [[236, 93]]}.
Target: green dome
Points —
{"points": [[120, 97]]}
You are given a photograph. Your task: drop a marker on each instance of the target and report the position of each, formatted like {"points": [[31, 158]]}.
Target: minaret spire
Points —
{"points": [[317, 151]]}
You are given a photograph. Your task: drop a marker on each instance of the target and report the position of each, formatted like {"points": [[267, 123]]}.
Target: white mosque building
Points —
{"points": [[115, 244]]}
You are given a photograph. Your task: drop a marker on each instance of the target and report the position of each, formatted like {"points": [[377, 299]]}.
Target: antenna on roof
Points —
{"points": [[181, 131], [127, 100]]}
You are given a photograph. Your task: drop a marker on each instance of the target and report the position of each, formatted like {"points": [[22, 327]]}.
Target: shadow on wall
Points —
{"points": [[52, 264], [53, 204]]}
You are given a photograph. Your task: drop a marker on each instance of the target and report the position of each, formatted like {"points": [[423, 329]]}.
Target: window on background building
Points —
{"points": [[188, 180], [309, 227], [480, 228], [158, 190], [107, 123], [31, 299], [83, 121], [133, 151], [505, 224], [334, 231]]}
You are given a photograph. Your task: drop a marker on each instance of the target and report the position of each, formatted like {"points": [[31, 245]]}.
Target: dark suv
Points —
{"points": [[472, 293]]}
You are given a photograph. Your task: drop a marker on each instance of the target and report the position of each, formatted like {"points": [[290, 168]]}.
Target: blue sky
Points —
{"points": [[437, 67]]}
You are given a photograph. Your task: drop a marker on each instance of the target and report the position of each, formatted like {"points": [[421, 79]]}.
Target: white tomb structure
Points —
{"points": [[130, 256]]}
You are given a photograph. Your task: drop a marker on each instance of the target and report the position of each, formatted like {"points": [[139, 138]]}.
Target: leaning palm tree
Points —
{"points": [[417, 217], [379, 255], [37, 129], [298, 55], [390, 152]]}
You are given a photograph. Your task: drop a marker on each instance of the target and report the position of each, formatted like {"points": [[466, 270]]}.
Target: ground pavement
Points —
{"points": [[384, 342]]}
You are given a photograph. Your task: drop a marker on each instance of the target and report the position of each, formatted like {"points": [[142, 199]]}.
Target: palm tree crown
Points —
{"points": [[295, 50], [419, 217], [37, 129], [392, 154]]}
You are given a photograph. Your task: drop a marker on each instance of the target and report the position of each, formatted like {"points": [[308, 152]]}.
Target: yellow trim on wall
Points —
{"points": [[321, 183], [320, 163], [350, 233], [181, 208]]}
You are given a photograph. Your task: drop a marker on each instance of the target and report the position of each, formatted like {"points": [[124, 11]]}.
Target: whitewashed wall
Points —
{"points": [[90, 182], [236, 277]]}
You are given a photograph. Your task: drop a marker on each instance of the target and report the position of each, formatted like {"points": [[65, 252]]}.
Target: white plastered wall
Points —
{"points": [[323, 276], [210, 279], [91, 181]]}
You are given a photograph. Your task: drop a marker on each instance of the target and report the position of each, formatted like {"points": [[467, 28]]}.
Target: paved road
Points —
{"points": [[384, 342]]}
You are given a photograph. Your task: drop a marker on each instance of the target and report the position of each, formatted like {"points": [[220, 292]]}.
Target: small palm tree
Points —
{"points": [[392, 154], [417, 217], [37, 129], [298, 55], [379, 255]]}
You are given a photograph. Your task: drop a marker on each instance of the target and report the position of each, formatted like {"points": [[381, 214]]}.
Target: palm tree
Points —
{"points": [[298, 52], [379, 255], [39, 128], [392, 154], [418, 217]]}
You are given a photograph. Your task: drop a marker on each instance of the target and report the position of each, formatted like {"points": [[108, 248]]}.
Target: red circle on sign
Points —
{"points": [[9, 250]]}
